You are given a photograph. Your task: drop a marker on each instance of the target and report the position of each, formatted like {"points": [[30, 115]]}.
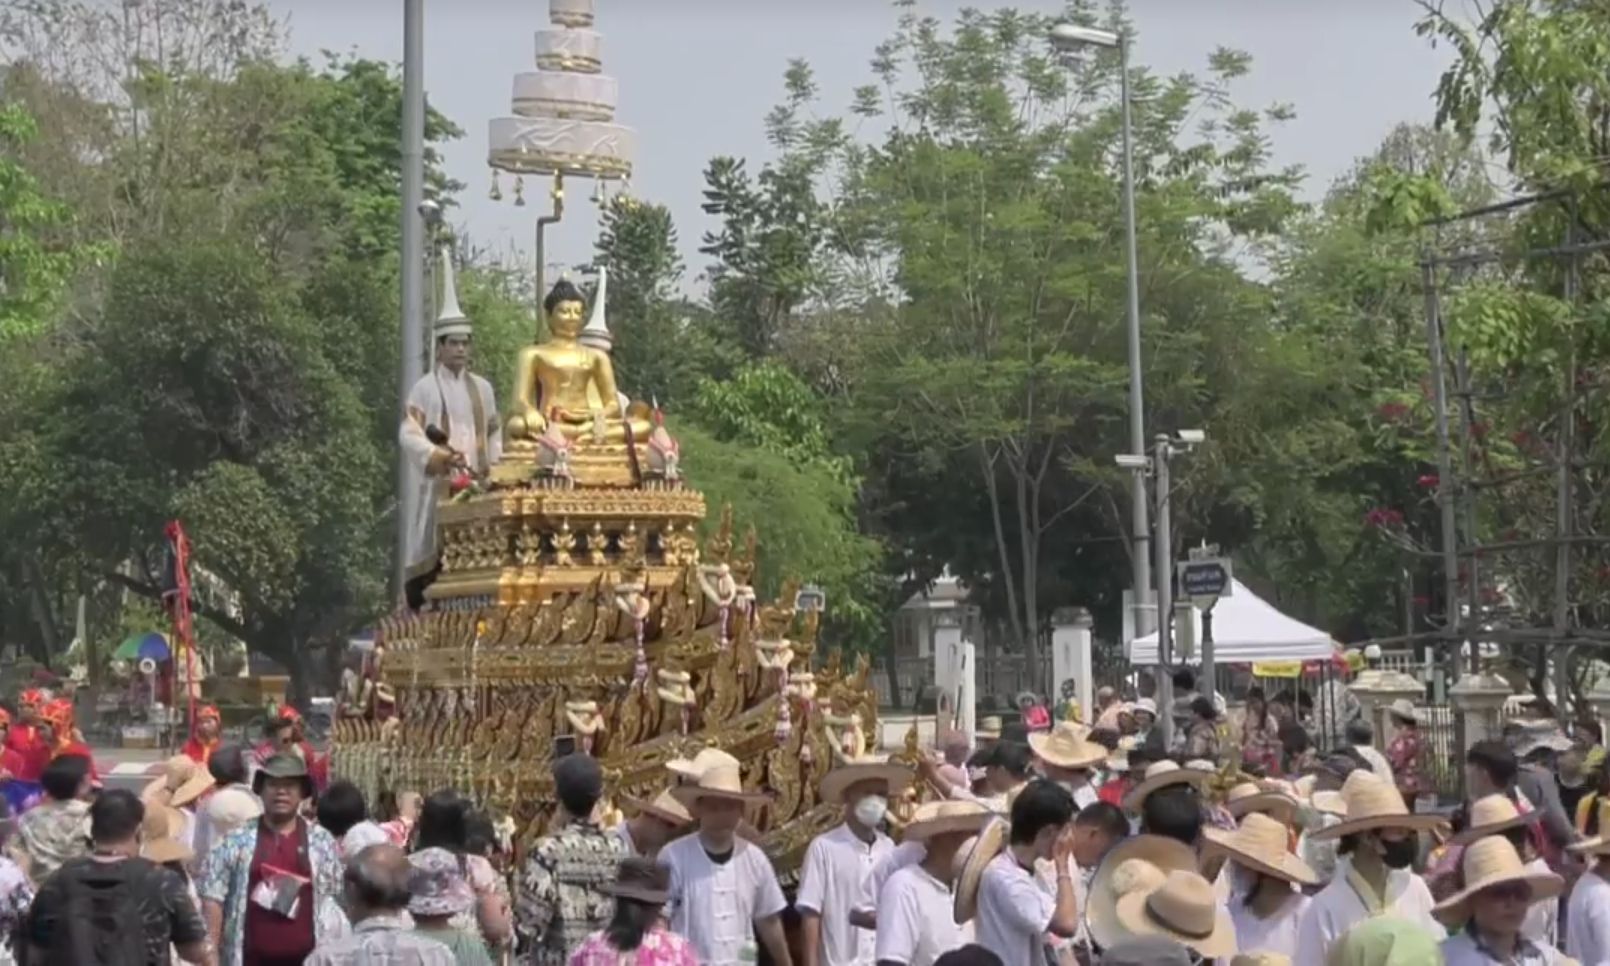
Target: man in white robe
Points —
{"points": [[461, 405]]}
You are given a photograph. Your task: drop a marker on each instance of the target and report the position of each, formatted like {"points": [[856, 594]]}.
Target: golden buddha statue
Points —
{"points": [[567, 385]]}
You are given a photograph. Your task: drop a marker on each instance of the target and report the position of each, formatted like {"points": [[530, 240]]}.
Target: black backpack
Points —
{"points": [[100, 921]]}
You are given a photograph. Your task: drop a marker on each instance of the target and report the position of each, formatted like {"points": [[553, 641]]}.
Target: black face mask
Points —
{"points": [[1399, 854]]}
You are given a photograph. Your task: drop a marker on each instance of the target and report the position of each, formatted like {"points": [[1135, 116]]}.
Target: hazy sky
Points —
{"points": [[698, 76]]}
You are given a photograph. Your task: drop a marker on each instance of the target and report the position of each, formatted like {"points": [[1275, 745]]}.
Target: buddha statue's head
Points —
{"points": [[566, 310]]}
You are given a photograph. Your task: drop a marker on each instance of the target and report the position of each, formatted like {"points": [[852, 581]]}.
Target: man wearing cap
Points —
{"points": [[916, 922], [838, 862], [562, 899], [657, 822], [199, 747], [723, 888], [1536, 748], [458, 408], [1378, 837], [247, 880]]}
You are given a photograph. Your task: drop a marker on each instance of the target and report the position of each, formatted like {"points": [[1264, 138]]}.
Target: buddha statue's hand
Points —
{"points": [[528, 425]]}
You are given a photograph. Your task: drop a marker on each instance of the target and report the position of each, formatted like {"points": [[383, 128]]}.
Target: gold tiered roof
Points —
{"points": [[533, 632]]}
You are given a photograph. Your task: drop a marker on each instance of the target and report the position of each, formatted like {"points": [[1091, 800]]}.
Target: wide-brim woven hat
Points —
{"points": [[1248, 797], [664, 807], [1371, 804], [722, 781], [1184, 909], [1259, 843], [1161, 774], [1490, 814], [162, 829], [1405, 709], [707, 758], [989, 727], [1135, 864], [180, 781], [894, 776], [945, 818], [1066, 746], [1488, 862], [986, 846]]}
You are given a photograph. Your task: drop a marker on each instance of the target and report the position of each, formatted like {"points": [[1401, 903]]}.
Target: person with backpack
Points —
{"points": [[112, 907]]}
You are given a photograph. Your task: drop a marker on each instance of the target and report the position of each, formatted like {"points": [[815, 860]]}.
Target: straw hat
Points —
{"points": [[1405, 709], [180, 781], [664, 807], [1372, 804], [1160, 774], [1260, 844], [1489, 862], [986, 846], [162, 828], [894, 776], [1065, 746], [1184, 909], [1491, 813], [945, 818], [1139, 863], [1249, 797], [1329, 803], [697, 765], [989, 727], [722, 781]]}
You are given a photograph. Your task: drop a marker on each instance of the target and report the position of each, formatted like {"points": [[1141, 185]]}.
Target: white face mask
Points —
{"points": [[870, 810]]}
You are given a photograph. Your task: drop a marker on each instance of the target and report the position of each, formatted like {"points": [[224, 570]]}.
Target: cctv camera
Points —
{"points": [[1131, 461], [430, 211], [1192, 437]]}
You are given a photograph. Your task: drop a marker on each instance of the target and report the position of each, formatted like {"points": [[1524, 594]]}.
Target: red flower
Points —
{"points": [[1383, 517], [460, 482], [1428, 480]]}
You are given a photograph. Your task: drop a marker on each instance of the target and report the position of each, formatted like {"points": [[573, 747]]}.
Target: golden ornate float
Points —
{"points": [[577, 606]]}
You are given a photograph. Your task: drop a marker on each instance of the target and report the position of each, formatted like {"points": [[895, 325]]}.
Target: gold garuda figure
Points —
{"points": [[581, 608]]}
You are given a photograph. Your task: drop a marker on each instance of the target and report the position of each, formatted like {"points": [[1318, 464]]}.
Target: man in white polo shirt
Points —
{"points": [[916, 924], [1015, 912]]}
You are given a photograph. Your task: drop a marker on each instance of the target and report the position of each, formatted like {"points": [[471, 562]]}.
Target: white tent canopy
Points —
{"points": [[1246, 628]]}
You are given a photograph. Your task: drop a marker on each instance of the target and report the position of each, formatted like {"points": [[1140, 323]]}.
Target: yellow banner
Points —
{"points": [[1278, 669]]}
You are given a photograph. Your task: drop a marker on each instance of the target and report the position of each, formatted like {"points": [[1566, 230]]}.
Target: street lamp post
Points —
{"points": [[1067, 38]]}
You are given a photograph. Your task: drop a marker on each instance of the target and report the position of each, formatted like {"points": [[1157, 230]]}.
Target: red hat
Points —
{"points": [[288, 713], [59, 713], [208, 711], [31, 696]]}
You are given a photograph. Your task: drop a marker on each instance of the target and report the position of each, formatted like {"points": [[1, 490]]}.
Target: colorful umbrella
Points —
{"points": [[151, 644]]}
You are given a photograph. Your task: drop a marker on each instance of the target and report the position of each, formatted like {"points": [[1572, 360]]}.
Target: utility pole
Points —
{"points": [[411, 366], [1164, 572]]}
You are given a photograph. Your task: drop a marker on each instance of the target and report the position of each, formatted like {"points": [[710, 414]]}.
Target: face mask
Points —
{"points": [[1399, 854], [870, 810]]}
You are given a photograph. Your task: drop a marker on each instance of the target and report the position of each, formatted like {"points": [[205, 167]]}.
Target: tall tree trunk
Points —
{"points": [[40, 609], [992, 487]]}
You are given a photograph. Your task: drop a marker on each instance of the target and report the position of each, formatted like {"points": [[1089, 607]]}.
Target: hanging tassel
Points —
{"points": [[519, 191], [496, 194]]}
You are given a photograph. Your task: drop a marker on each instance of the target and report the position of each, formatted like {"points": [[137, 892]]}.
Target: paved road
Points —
{"points": [[126, 767]]}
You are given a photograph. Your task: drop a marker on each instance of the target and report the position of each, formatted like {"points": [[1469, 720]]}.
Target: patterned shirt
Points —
{"points": [[50, 834], [660, 947], [561, 901], [16, 895], [227, 869], [381, 941]]}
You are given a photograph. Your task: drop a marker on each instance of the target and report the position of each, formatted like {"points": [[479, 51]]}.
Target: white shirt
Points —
{"points": [[446, 400], [715, 907], [1542, 922], [360, 837], [892, 861], [226, 809], [1587, 921], [1276, 934], [915, 921], [1337, 908], [1013, 912], [835, 872], [1378, 763], [1084, 796], [1461, 950]]}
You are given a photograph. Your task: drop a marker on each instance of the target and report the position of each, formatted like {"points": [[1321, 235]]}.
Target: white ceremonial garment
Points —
{"points": [[1277, 934], [1542, 922], [623, 831], [1014, 912], [715, 906], [892, 861], [1462, 949], [451, 402], [832, 879], [915, 923], [1338, 908], [1587, 921]]}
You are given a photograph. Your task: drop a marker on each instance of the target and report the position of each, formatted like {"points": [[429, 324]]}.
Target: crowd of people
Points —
{"points": [[1064, 844]]}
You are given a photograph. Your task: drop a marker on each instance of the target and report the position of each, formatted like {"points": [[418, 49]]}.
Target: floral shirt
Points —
{"points": [[50, 834], [16, 895], [660, 947], [1261, 746], [561, 900], [1404, 756], [227, 869]]}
